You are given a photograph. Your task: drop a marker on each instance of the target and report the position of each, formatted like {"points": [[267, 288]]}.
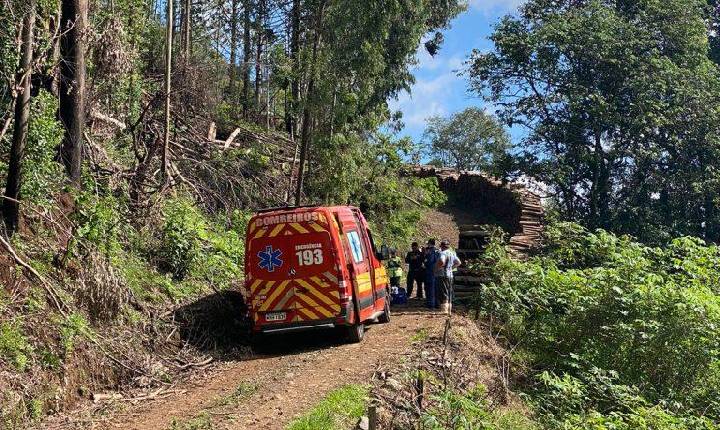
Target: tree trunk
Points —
{"points": [[185, 30], [307, 114], [247, 5], [260, 40], [233, 50], [295, 82], [72, 85], [168, 71], [267, 89], [51, 77], [292, 101], [595, 182], [11, 206]]}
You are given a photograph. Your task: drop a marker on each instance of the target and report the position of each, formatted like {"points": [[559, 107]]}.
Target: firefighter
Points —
{"points": [[416, 270], [431, 257], [394, 269]]}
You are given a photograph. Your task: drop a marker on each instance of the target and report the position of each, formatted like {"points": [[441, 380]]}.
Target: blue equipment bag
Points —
{"points": [[398, 296]]}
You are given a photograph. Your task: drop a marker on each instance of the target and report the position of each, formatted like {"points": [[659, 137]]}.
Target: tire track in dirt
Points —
{"points": [[294, 375]]}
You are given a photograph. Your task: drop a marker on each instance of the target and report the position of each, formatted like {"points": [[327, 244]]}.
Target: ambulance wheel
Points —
{"points": [[385, 317], [356, 333]]}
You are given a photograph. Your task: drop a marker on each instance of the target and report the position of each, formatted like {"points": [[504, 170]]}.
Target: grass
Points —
{"points": [[340, 409], [243, 391], [200, 422], [471, 410], [509, 419], [420, 335]]}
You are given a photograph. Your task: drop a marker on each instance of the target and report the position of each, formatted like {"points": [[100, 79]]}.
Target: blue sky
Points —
{"points": [[438, 89]]}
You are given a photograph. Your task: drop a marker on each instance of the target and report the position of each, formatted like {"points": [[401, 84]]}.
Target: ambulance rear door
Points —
{"points": [[294, 270]]}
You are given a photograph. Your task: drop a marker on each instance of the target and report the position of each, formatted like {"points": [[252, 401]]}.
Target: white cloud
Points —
{"points": [[428, 98], [430, 93], [495, 6]]}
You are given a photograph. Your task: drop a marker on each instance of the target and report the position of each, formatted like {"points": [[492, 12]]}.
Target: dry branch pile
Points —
{"points": [[458, 360]]}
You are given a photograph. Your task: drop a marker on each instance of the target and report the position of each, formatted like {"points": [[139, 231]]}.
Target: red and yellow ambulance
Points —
{"points": [[314, 267]]}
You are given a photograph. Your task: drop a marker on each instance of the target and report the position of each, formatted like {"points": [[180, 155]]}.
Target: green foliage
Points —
{"points": [[193, 246], [145, 282], [470, 411], [428, 191], [99, 221], [621, 102], [71, 328], [200, 422], [40, 170], [14, 346], [621, 328], [183, 233], [368, 175], [420, 335], [243, 391], [341, 408], [8, 48], [568, 403], [469, 140], [222, 264]]}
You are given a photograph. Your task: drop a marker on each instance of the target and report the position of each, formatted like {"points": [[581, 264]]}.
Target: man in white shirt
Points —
{"points": [[447, 262]]}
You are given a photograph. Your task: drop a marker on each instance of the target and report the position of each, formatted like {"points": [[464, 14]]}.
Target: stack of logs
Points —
{"points": [[474, 238], [511, 206], [531, 223]]}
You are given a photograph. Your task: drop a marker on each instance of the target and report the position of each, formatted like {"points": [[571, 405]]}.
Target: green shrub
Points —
{"points": [[144, 281], [14, 346], [71, 328], [621, 327], [470, 411], [41, 171], [201, 249], [182, 236], [99, 219]]}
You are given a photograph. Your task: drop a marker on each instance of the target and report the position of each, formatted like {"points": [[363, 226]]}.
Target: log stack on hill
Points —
{"points": [[484, 202]]}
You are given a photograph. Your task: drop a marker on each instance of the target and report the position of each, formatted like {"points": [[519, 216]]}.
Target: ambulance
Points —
{"points": [[314, 267]]}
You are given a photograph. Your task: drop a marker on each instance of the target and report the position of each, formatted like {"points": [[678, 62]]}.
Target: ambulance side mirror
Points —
{"points": [[384, 253]]}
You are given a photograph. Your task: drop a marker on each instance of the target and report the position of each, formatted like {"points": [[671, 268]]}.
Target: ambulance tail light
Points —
{"points": [[344, 298]]}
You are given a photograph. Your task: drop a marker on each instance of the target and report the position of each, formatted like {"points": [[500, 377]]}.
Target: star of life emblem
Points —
{"points": [[270, 259]]}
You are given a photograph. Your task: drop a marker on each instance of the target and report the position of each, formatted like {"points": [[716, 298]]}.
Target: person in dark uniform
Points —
{"points": [[431, 257], [415, 260]]}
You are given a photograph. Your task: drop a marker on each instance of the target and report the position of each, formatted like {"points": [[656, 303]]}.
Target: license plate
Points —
{"points": [[275, 316]]}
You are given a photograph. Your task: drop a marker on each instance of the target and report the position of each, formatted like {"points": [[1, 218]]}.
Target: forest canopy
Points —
{"points": [[620, 100]]}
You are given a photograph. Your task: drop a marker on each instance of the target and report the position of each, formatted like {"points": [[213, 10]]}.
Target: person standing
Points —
{"points": [[446, 263], [431, 257], [416, 270], [394, 269]]}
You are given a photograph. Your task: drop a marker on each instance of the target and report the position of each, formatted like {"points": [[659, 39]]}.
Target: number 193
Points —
{"points": [[309, 257]]}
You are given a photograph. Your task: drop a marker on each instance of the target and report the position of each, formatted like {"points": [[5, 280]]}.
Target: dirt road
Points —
{"points": [[286, 378]]}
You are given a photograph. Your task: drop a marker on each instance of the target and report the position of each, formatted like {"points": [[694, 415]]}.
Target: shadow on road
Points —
{"points": [[217, 326], [215, 323]]}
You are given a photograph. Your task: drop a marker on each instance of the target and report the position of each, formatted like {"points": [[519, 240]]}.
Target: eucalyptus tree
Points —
{"points": [[10, 199], [365, 58], [73, 26]]}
